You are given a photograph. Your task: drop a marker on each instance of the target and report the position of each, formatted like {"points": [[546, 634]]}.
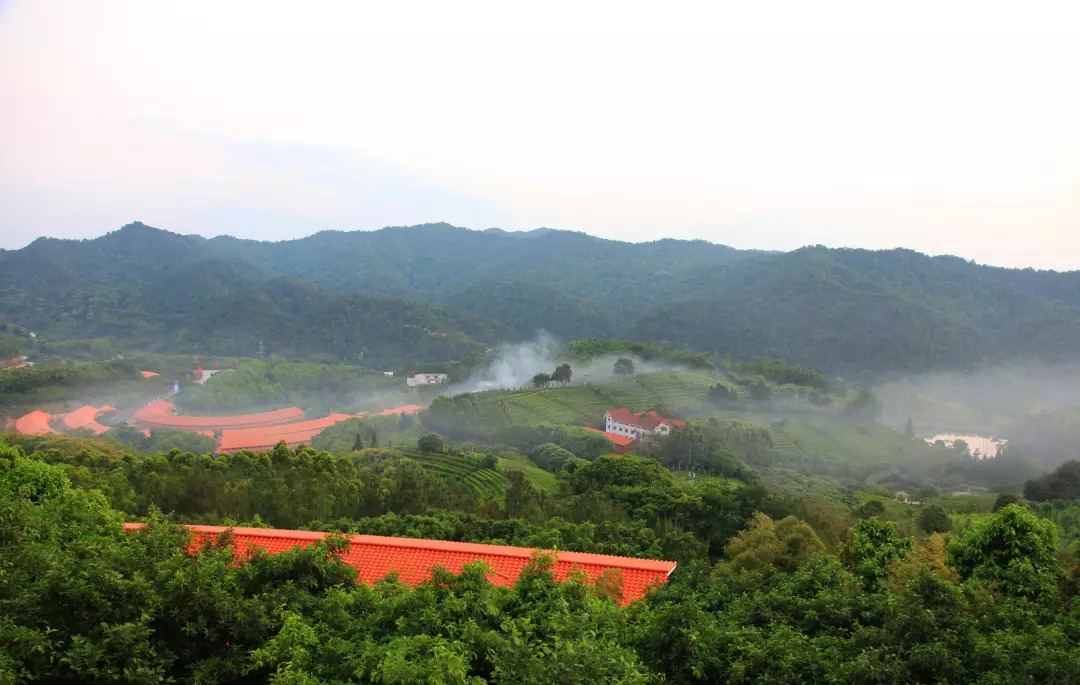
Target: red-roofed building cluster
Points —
{"points": [[638, 425], [374, 557]]}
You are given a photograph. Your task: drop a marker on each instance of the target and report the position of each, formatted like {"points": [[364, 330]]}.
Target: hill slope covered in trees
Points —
{"points": [[436, 291]]}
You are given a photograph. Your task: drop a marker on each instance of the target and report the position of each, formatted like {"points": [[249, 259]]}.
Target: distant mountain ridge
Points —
{"points": [[434, 291]]}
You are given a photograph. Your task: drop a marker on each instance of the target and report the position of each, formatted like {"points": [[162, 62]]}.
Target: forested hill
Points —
{"points": [[432, 291]]}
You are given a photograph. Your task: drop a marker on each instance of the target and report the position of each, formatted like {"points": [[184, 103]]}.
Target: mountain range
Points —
{"points": [[436, 292]]}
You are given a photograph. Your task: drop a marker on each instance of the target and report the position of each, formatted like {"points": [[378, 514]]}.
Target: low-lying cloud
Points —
{"points": [[514, 366]]}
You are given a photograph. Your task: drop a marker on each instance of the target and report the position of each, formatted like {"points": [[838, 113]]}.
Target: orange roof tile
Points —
{"points": [[621, 440], [647, 420], [35, 423], [376, 556], [267, 438], [85, 417], [160, 415], [407, 409]]}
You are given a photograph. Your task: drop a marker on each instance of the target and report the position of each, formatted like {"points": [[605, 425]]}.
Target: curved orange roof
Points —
{"points": [[160, 415], [407, 409], [86, 417], [35, 423], [267, 438], [375, 556]]}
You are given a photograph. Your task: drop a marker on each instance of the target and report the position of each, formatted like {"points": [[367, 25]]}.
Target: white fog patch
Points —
{"points": [[515, 365]]}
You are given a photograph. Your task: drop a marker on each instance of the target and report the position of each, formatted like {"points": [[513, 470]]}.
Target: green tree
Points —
{"points": [[562, 374], [759, 392], [624, 367], [723, 395], [864, 406], [1062, 483], [432, 442], [934, 519], [871, 508], [873, 544], [767, 545], [551, 457], [909, 429], [926, 492], [541, 380], [1014, 550], [1003, 500]]}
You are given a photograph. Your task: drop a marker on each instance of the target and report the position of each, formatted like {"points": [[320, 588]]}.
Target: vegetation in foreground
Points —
{"points": [[789, 595]]}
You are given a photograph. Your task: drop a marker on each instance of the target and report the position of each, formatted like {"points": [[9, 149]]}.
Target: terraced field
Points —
{"points": [[587, 404], [486, 482]]}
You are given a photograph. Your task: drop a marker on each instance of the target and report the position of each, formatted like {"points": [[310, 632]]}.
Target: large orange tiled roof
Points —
{"points": [[160, 414], [35, 423], [407, 409], [86, 417], [267, 438], [375, 556]]}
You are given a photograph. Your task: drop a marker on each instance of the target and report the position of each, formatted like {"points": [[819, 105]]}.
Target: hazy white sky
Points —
{"points": [[947, 127]]}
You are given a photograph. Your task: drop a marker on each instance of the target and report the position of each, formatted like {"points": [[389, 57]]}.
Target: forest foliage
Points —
{"points": [[436, 293], [81, 600]]}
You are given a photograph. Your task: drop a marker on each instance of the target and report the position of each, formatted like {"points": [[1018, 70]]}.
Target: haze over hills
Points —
{"points": [[438, 292]]}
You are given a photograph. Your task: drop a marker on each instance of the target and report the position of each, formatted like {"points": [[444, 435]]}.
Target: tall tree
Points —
{"points": [[624, 367], [562, 374]]}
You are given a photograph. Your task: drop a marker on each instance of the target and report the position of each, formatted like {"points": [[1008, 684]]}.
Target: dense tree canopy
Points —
{"points": [[378, 298], [82, 601]]}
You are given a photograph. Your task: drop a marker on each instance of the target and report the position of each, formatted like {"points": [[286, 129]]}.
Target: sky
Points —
{"points": [[945, 127]]}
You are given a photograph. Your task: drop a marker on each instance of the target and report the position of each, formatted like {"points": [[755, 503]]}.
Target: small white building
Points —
{"points": [[624, 421], [426, 379]]}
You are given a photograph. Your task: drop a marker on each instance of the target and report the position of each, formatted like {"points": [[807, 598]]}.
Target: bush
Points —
{"points": [[933, 519], [432, 442]]}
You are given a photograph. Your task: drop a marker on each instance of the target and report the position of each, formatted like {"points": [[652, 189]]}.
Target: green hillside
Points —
{"points": [[437, 292], [823, 443], [844, 448], [586, 404]]}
